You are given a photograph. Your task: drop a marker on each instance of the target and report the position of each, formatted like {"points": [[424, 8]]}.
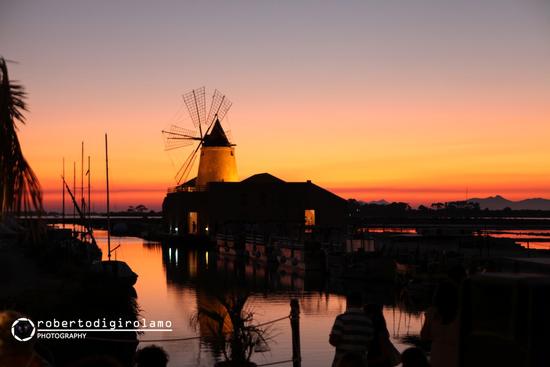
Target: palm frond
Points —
{"points": [[20, 190]]}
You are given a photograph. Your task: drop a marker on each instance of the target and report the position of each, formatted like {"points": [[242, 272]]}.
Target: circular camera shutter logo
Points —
{"points": [[23, 329]]}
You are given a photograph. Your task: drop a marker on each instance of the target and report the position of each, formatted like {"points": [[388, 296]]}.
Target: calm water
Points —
{"points": [[172, 283], [529, 238]]}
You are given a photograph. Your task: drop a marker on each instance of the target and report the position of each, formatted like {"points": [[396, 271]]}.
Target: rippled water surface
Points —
{"points": [[174, 282]]}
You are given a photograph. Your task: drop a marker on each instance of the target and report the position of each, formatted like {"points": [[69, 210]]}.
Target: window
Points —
{"points": [[309, 215], [192, 223]]}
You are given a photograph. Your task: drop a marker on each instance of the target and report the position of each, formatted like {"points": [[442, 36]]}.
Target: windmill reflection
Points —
{"points": [[215, 278]]}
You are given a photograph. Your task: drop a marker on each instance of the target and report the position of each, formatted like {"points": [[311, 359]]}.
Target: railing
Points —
{"points": [[255, 239], [287, 242], [294, 318], [174, 189], [224, 237]]}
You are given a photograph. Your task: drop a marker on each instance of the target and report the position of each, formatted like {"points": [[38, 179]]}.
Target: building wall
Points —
{"points": [[217, 164], [176, 207], [274, 203], [274, 208]]}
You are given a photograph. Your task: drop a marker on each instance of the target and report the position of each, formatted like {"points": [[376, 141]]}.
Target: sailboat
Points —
{"points": [[114, 272]]}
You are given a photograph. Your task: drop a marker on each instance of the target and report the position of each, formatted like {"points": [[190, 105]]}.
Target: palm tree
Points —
{"points": [[20, 191]]}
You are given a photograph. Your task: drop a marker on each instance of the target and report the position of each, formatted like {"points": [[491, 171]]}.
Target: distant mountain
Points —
{"points": [[499, 203], [378, 202]]}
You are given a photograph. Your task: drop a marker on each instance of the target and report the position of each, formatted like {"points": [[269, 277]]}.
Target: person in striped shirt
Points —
{"points": [[352, 331]]}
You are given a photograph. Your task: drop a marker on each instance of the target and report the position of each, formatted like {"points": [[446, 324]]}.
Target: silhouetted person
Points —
{"points": [[351, 360], [151, 356], [414, 357], [441, 326], [352, 331], [381, 350]]}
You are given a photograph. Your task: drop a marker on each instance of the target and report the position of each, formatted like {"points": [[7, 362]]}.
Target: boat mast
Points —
{"points": [[89, 190], [63, 195], [89, 229], [108, 214], [82, 202], [74, 190]]}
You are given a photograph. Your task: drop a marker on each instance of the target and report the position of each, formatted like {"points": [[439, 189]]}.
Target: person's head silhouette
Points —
{"points": [[414, 357], [151, 356], [354, 299]]}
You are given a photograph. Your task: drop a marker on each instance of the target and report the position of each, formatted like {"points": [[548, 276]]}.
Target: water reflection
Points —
{"points": [[534, 238], [174, 283]]}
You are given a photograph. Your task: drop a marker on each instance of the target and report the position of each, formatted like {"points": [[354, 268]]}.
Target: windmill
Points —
{"points": [[208, 140]]}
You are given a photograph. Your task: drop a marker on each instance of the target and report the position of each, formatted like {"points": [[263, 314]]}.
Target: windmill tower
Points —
{"points": [[216, 152]]}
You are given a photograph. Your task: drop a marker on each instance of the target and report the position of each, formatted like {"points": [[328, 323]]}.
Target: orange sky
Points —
{"points": [[372, 101]]}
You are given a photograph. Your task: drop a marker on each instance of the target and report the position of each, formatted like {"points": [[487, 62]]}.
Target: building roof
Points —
{"points": [[191, 182], [261, 181], [216, 137], [262, 178]]}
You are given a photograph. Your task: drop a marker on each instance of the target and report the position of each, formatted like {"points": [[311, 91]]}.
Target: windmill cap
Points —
{"points": [[216, 137]]}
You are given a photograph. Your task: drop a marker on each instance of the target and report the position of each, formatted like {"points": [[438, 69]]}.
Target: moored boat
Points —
{"points": [[114, 271]]}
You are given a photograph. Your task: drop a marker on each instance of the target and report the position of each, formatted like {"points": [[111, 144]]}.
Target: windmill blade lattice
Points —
{"points": [[196, 105], [218, 108], [178, 137], [187, 166]]}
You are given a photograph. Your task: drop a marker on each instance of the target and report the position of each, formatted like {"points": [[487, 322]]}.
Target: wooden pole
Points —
{"points": [[108, 208], [295, 326], [63, 204], [89, 191], [80, 213], [74, 190], [82, 202]]}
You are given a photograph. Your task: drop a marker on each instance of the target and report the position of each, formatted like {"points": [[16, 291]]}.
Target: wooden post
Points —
{"points": [[295, 326], [82, 201], [108, 206], [63, 200], [89, 191], [74, 203]]}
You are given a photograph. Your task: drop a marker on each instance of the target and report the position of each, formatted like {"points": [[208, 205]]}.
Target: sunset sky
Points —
{"points": [[416, 101]]}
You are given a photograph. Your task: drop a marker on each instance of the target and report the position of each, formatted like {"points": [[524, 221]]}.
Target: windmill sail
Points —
{"points": [[219, 107], [178, 137], [185, 169], [210, 131], [196, 105]]}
